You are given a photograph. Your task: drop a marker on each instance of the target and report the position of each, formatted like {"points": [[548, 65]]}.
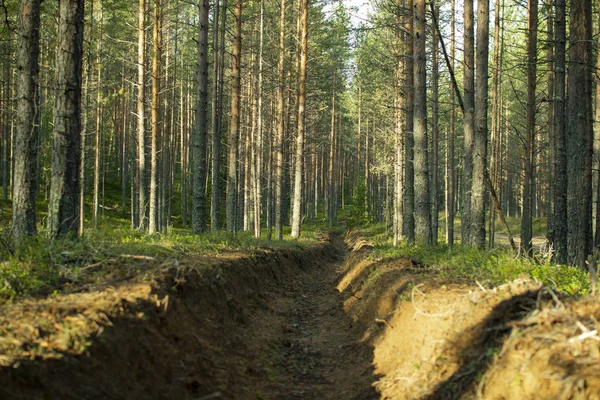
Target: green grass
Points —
{"points": [[491, 268], [40, 266]]}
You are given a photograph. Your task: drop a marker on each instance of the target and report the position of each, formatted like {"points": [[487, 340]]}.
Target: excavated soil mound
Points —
{"points": [[435, 339]]}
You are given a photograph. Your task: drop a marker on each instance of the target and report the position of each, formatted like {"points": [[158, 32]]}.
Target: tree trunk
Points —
{"points": [[529, 159], [299, 161], [141, 120], [234, 126], [63, 208], [200, 133], [27, 131], [579, 142], [409, 179], [258, 148], [469, 120], [156, 131], [217, 127], [496, 113], [278, 143], [435, 132], [450, 171], [481, 119], [97, 134], [422, 198], [560, 163]]}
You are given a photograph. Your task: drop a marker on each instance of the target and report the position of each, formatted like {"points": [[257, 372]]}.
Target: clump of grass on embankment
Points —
{"points": [[488, 267]]}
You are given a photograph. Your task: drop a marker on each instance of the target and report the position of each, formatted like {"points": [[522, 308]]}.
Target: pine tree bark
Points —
{"points": [[450, 194], [435, 206], [199, 142], [63, 208], [258, 148], [217, 128], [153, 224], [560, 163], [579, 142], [481, 120], [234, 126], [422, 197], [529, 159], [26, 130], [278, 142], [409, 146], [301, 102], [469, 120], [141, 119]]}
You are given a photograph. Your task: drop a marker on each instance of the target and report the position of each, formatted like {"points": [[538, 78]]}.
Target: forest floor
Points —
{"points": [[326, 322]]}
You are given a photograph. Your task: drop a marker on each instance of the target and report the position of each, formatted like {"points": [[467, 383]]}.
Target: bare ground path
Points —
{"points": [[313, 346]]}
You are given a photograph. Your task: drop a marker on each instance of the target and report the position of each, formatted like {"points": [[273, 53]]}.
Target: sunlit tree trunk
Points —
{"points": [[156, 131], [258, 148], [299, 161], [234, 126], [141, 120], [278, 143]]}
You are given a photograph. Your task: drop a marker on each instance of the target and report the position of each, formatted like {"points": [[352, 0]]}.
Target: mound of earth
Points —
{"points": [[327, 322]]}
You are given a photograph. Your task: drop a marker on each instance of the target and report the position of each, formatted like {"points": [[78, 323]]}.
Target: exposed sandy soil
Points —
{"points": [[322, 323]]}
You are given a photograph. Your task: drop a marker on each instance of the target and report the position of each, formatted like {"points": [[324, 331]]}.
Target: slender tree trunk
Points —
{"points": [[435, 133], [529, 159], [451, 173], [258, 149], [217, 128], [200, 134], [6, 120], [63, 209], [422, 197], [27, 131], [496, 94], [278, 144], [215, 105], [98, 133], [141, 120], [156, 131], [299, 162], [234, 126], [331, 189], [560, 164], [469, 119], [409, 193], [551, 134], [398, 136], [481, 120]]}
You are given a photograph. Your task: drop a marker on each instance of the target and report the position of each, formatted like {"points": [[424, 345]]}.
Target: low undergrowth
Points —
{"points": [[487, 267]]}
